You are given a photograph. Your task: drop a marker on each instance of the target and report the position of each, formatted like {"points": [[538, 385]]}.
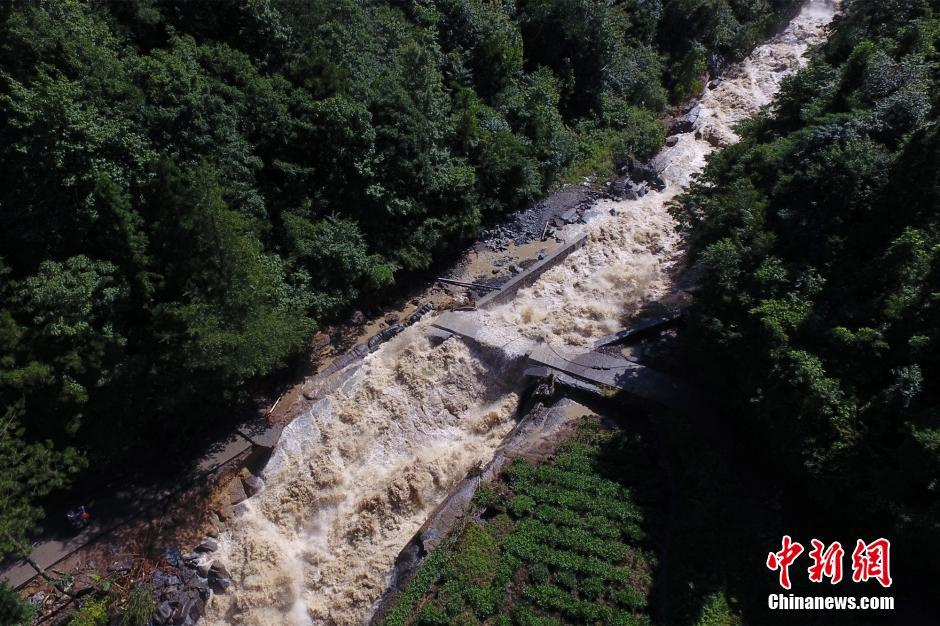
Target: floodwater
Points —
{"points": [[355, 476]]}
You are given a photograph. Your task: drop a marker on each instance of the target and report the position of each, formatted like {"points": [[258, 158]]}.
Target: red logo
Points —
{"points": [[782, 560], [827, 563], [870, 561]]}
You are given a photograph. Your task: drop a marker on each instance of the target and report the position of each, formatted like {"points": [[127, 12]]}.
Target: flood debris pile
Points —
{"points": [[541, 220], [181, 587]]}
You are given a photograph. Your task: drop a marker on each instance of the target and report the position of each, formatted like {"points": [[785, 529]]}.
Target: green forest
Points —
{"points": [[817, 246], [189, 189]]}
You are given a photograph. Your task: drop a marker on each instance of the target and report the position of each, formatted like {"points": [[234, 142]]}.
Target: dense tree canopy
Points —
{"points": [[188, 189], [818, 244]]}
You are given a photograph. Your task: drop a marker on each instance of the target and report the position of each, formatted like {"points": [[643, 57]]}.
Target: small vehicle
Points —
{"points": [[78, 518]]}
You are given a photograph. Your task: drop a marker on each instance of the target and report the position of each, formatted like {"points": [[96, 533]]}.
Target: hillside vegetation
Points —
{"points": [[561, 542], [818, 246], [188, 189]]}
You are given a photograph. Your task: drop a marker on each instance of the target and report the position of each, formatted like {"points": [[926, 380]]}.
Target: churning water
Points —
{"points": [[355, 476]]}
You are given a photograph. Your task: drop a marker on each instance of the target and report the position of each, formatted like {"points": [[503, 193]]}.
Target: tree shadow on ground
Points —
{"points": [[712, 513]]}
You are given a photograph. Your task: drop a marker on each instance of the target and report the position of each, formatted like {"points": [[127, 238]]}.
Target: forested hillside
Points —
{"points": [[187, 189], [818, 246]]}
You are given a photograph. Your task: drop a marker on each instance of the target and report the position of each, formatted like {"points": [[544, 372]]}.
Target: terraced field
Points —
{"points": [[558, 542]]}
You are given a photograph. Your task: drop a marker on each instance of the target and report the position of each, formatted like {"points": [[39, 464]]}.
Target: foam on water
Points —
{"points": [[354, 477], [630, 255]]}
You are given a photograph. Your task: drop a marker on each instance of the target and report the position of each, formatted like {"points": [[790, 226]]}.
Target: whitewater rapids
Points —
{"points": [[354, 477]]}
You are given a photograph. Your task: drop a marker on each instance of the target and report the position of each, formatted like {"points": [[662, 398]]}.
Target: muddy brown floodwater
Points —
{"points": [[355, 475]]}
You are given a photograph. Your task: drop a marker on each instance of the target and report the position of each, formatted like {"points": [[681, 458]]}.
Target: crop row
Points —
{"points": [[615, 509], [580, 540], [599, 524], [552, 598], [592, 483], [528, 549]]}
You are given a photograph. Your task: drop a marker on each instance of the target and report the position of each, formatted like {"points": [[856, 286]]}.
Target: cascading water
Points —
{"points": [[355, 476], [629, 256]]}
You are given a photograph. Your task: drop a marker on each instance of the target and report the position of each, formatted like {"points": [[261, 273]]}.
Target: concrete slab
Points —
{"points": [[611, 371], [19, 573], [228, 448], [565, 380], [529, 276], [464, 324], [643, 327], [263, 435], [438, 336]]}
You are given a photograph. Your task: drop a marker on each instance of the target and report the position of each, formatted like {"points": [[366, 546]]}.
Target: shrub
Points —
{"points": [[139, 607], [566, 579], [451, 597], [13, 610], [538, 573], [92, 613], [592, 587], [474, 557], [520, 506], [433, 615], [630, 597], [482, 600], [419, 585]]}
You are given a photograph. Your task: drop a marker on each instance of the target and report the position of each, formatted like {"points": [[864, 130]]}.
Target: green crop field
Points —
{"points": [[558, 542]]}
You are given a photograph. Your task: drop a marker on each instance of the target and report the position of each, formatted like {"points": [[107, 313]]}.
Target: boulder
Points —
{"points": [[358, 318], [646, 173], [251, 483], [392, 319], [219, 578], [208, 544], [225, 512], [163, 613], [671, 141], [384, 335], [236, 492], [713, 138], [687, 122], [571, 216]]}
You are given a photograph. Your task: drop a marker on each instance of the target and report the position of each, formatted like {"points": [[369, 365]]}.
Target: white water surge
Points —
{"points": [[630, 254], [355, 476]]}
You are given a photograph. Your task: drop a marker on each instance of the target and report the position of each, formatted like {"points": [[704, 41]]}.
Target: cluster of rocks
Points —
{"points": [[395, 327], [688, 122], [181, 588], [560, 208], [239, 489], [691, 122], [497, 239], [638, 179]]}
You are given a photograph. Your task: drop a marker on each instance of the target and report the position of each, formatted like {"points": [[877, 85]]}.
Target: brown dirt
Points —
{"points": [[200, 509], [182, 522]]}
